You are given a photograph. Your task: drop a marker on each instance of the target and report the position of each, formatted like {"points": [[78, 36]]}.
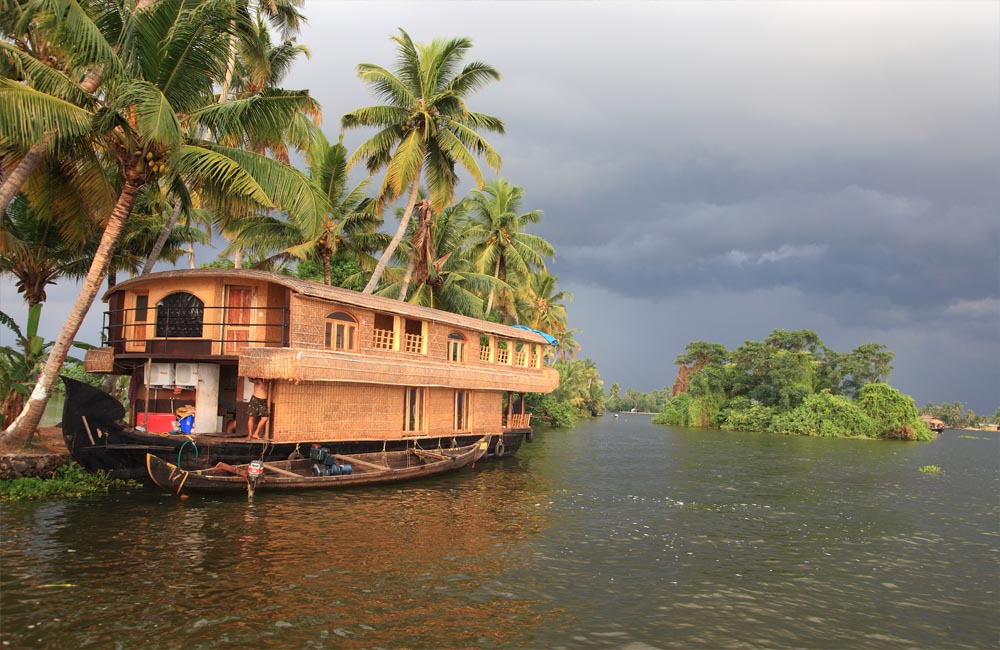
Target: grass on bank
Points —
{"points": [[70, 480]]}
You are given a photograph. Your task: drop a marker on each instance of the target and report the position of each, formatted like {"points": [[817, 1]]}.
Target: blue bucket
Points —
{"points": [[187, 423]]}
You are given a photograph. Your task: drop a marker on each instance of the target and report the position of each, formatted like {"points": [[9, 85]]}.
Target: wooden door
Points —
{"points": [[236, 329]]}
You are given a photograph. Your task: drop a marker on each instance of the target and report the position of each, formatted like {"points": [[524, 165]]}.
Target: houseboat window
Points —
{"points": [[141, 307], [462, 407], [413, 409], [341, 331], [456, 347], [503, 352], [485, 348], [180, 315], [522, 355], [382, 332], [413, 332]]}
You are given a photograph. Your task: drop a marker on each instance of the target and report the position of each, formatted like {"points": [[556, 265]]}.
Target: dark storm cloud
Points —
{"points": [[712, 171]]}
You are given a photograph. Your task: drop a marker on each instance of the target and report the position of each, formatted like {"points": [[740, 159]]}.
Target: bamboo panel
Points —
{"points": [[366, 412], [99, 360], [390, 369]]}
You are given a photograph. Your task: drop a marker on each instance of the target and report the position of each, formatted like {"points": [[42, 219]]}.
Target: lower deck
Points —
{"points": [[216, 397]]}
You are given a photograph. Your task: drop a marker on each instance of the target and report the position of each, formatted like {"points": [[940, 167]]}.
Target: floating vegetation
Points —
{"points": [[930, 469], [70, 480], [972, 437]]}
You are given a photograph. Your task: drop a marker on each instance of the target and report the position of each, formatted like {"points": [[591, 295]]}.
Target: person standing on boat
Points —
{"points": [[257, 409]]}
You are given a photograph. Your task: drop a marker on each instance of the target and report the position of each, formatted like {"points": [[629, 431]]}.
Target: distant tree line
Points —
{"points": [[792, 383], [955, 416], [633, 400], [580, 395]]}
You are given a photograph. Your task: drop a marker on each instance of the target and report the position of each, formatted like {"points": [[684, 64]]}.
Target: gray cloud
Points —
{"points": [[712, 171]]}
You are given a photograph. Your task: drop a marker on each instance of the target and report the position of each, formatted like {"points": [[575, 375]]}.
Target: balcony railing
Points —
{"points": [[382, 339], [518, 421], [201, 329], [413, 343]]}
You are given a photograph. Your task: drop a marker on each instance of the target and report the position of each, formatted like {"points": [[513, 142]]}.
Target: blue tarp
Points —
{"points": [[548, 337]]}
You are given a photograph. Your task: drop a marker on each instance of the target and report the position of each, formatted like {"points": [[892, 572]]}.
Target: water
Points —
{"points": [[619, 534]]}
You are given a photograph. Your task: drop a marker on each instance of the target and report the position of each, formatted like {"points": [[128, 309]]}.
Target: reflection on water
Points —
{"points": [[619, 534]]}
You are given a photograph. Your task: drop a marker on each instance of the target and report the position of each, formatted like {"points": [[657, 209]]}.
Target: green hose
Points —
{"points": [[193, 443]]}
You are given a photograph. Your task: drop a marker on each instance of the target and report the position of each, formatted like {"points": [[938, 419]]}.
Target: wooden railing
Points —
{"points": [[484, 353], [519, 420], [214, 326], [382, 339], [413, 343], [502, 355]]}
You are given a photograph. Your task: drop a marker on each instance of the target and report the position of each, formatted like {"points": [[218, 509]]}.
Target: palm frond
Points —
{"points": [[258, 119], [387, 86], [27, 114], [406, 162], [287, 187], [156, 120], [379, 116], [474, 76]]}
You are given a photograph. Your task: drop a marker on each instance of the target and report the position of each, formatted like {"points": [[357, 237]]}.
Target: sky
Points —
{"points": [[715, 171]]}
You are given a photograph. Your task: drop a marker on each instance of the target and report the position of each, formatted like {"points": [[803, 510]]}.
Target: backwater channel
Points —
{"points": [[617, 534]]}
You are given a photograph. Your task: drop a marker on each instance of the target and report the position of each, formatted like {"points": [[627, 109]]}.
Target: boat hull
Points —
{"points": [[99, 440], [367, 469]]}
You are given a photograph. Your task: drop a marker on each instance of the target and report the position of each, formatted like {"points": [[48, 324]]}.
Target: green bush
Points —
{"points": [[677, 412], [551, 411], [744, 414], [70, 480], [893, 414], [825, 415]]}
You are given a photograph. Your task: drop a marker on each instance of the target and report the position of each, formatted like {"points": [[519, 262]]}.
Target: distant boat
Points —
{"points": [[321, 470], [936, 425]]}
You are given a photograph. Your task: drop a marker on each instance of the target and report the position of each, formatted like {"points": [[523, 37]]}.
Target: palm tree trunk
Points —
{"points": [[327, 279], [398, 237], [230, 63], [15, 179], [489, 302], [27, 422], [406, 277], [154, 254]]}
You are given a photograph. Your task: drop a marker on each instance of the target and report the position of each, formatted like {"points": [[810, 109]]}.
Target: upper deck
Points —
{"points": [[280, 327]]}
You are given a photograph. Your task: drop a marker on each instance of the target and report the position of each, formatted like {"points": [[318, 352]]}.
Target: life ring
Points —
{"points": [[498, 449]]}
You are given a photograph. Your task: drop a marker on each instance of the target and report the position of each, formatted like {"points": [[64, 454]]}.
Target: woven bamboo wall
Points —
{"points": [[371, 412], [390, 368]]}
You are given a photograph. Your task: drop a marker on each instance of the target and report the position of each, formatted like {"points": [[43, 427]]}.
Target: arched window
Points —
{"points": [[456, 347], [180, 315], [341, 332]]}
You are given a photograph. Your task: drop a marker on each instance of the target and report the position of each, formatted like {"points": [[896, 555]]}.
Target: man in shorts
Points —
{"points": [[257, 409]]}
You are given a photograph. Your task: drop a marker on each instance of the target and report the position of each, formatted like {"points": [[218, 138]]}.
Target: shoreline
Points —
{"points": [[45, 453]]}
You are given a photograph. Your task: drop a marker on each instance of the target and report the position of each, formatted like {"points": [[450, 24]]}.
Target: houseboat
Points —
{"points": [[353, 372]]}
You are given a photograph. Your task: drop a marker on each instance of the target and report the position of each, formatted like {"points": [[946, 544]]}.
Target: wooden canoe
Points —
{"points": [[301, 474]]}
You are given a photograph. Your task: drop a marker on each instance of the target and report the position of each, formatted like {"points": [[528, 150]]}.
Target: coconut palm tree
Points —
{"points": [[48, 47], [501, 247], [36, 252], [351, 225], [543, 307], [425, 128], [171, 52], [439, 275]]}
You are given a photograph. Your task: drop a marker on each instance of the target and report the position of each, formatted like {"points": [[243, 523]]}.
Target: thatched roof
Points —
{"points": [[337, 294]]}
